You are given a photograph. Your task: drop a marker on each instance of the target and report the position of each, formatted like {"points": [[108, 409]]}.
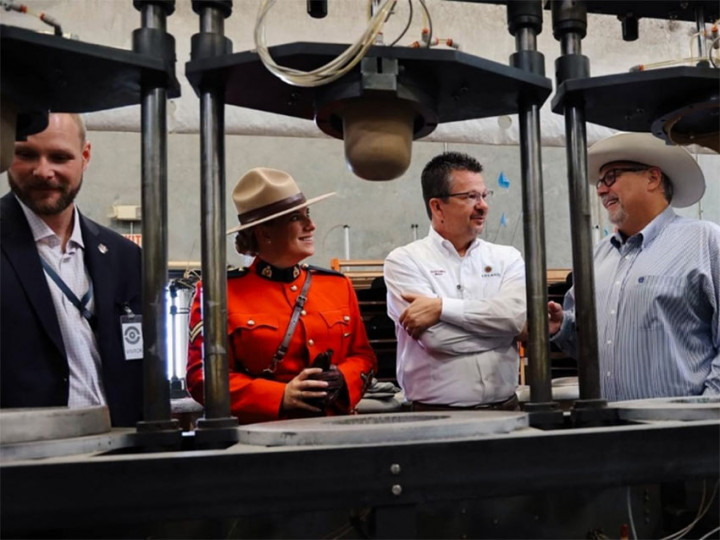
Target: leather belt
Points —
{"points": [[510, 404]]}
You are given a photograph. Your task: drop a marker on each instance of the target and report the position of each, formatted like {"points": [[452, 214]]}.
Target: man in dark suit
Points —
{"points": [[66, 283]]}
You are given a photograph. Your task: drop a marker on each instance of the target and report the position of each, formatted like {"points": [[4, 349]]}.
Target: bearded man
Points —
{"points": [[66, 283]]}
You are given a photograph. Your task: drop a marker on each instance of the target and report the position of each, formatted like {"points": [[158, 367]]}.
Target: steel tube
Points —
{"points": [[525, 39], [571, 43], [346, 240], [212, 208], [156, 406], [700, 25], [583, 273], [538, 348]]}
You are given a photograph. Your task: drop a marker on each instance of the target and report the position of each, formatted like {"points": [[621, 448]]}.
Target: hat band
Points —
{"points": [[271, 209]]}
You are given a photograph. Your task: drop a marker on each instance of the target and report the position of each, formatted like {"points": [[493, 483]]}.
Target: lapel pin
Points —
{"points": [[102, 248]]}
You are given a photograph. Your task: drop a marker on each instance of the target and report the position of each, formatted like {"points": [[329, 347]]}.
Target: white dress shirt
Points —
{"points": [[83, 356], [470, 356]]}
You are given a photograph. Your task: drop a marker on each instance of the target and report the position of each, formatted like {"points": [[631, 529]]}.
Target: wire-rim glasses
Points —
{"points": [[473, 196]]}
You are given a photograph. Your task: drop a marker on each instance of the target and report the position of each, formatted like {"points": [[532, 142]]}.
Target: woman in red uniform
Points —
{"points": [[316, 362]]}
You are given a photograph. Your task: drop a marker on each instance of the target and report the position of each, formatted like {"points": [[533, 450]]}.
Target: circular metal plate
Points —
{"points": [[50, 423], [670, 408], [381, 428]]}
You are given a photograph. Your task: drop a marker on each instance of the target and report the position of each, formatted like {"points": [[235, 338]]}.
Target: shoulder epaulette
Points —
{"points": [[234, 271], [326, 271]]}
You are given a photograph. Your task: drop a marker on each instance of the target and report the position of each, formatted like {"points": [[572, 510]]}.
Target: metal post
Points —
{"points": [[701, 42], [569, 26], [346, 237], [157, 412], [211, 42], [525, 22]]}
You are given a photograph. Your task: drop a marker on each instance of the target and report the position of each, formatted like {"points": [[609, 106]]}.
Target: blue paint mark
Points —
{"points": [[503, 181]]}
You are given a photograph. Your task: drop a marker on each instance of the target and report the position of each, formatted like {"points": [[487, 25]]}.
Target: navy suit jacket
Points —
{"points": [[33, 364]]}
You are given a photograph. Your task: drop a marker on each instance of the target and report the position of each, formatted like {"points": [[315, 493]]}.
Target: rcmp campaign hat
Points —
{"points": [[676, 162], [263, 194]]}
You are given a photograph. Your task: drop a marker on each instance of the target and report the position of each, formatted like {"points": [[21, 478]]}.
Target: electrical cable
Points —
{"points": [[407, 26], [429, 19], [702, 510], [710, 49], [709, 534], [630, 516], [334, 69], [22, 8], [664, 63], [692, 59]]}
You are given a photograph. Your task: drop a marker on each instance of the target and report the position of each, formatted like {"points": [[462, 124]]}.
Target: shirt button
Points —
{"points": [[612, 312], [346, 318], [609, 341], [293, 288], [607, 374], [617, 283], [311, 342], [303, 312], [251, 322]]}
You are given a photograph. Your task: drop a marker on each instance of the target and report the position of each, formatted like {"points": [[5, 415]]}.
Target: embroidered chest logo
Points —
{"points": [[437, 272], [489, 273]]}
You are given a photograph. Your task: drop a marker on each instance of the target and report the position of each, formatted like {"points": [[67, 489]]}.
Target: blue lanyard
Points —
{"points": [[80, 303]]}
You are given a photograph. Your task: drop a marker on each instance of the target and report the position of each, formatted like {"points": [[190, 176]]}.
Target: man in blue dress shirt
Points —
{"points": [[657, 279]]}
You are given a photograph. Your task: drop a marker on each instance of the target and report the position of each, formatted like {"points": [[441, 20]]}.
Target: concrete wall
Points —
{"points": [[380, 214]]}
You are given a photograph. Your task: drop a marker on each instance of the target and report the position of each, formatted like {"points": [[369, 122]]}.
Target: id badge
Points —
{"points": [[131, 326]]}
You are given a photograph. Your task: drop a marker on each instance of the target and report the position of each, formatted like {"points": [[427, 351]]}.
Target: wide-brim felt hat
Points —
{"points": [[263, 194], [676, 162]]}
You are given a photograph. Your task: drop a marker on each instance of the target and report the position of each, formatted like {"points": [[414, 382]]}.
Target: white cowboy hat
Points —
{"points": [[263, 194], [675, 161]]}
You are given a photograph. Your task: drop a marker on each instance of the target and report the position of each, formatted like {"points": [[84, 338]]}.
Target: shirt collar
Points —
{"points": [[273, 273], [646, 236], [439, 240], [40, 230]]}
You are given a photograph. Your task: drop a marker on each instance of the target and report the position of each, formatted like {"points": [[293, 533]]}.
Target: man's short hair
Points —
{"points": [[436, 179]]}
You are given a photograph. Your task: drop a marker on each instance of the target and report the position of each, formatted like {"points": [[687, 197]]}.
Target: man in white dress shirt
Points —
{"points": [[458, 302]]}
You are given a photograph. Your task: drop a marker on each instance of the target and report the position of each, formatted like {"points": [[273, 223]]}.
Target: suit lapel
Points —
{"points": [[19, 247], [99, 259]]}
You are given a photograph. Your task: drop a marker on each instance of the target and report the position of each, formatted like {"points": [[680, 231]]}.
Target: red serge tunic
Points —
{"points": [[260, 302]]}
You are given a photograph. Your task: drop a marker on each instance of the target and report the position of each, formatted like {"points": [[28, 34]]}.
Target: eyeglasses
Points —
{"points": [[472, 196], [612, 175]]}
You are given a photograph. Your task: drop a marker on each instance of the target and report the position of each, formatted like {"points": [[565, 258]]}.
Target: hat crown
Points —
{"points": [[263, 194], [676, 162], [262, 187]]}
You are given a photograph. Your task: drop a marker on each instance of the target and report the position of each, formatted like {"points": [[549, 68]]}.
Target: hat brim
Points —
{"points": [[676, 162], [282, 213]]}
